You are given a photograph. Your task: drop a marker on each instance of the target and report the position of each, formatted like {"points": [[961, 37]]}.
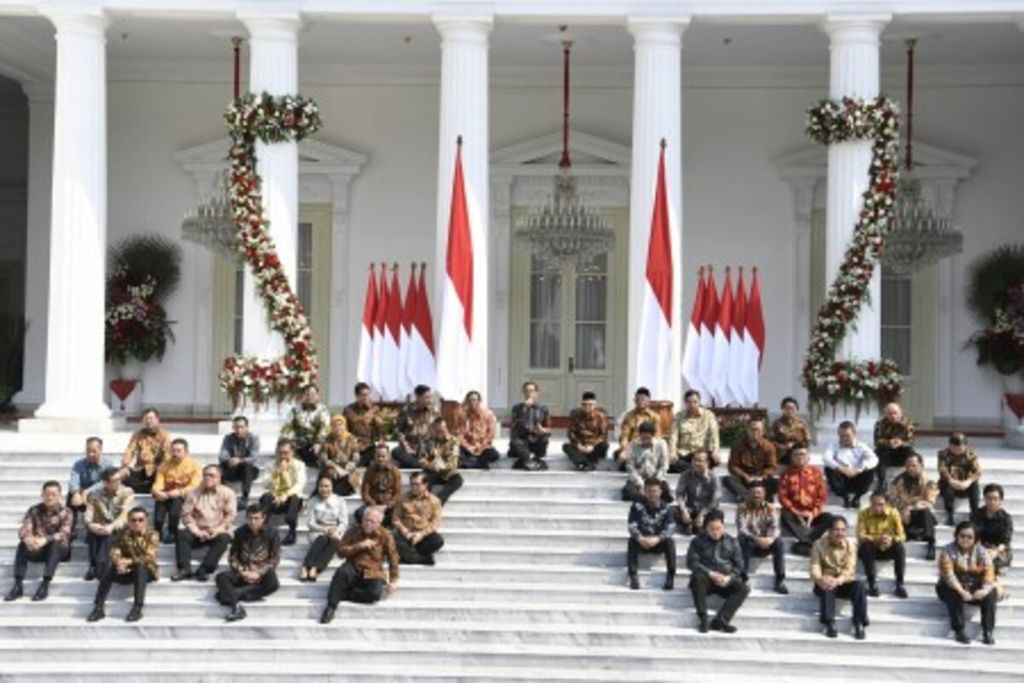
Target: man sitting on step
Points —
{"points": [[914, 495], [650, 527], [530, 431], [132, 562], [880, 536], [361, 578], [416, 517], [716, 566], [758, 533], [698, 493], [238, 453], [307, 426], [207, 519], [476, 429], [413, 426], [803, 494], [647, 459], [364, 422], [439, 458], [894, 440], [106, 511], [284, 487], [629, 425], [959, 474], [588, 434], [694, 429], [382, 483], [44, 536], [177, 477], [255, 554], [751, 459], [849, 466], [834, 575], [85, 474], [147, 449]]}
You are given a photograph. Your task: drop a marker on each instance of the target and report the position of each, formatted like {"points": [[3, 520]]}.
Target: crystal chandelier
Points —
{"points": [[211, 224], [918, 236], [566, 230]]}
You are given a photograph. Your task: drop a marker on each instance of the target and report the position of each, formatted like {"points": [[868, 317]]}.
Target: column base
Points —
{"points": [[826, 425], [71, 425]]}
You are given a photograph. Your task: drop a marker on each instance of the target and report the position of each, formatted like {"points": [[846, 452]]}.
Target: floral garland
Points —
{"points": [[136, 323], [269, 119], [829, 381]]}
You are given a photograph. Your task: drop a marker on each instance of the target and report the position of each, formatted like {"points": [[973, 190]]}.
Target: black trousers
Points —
{"points": [[635, 494], [349, 585], [244, 472], [955, 607], [869, 554], [99, 549], [527, 450], [444, 488], [52, 554], [215, 549], [734, 592], [949, 495], [366, 456], [478, 462], [852, 487], [320, 552], [667, 547], [404, 459], [590, 459], [169, 510], [138, 576], [853, 591], [890, 457], [741, 490], [289, 508], [421, 552], [777, 550], [306, 455], [139, 481], [231, 589], [342, 485], [921, 526], [76, 510], [806, 535]]}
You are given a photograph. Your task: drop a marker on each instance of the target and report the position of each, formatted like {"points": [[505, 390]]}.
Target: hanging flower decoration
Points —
{"points": [[268, 119], [830, 381]]}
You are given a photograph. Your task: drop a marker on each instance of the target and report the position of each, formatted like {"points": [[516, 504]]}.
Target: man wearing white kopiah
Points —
{"points": [[849, 466]]}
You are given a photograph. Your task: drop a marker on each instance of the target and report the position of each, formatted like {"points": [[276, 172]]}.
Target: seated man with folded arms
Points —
{"points": [[85, 474], [132, 563], [803, 495], [364, 547], [44, 536], [238, 453], [252, 573], [716, 566], [967, 576], [439, 458], [413, 426], [208, 519], [476, 429], [650, 527], [629, 425], [959, 474], [587, 434], [789, 431], [994, 528], [694, 429], [647, 459], [307, 426], [758, 534], [284, 488], [914, 495], [106, 511], [751, 459], [327, 515], [530, 431], [834, 575], [698, 493], [147, 449], [339, 458], [364, 422], [177, 477], [894, 440], [880, 536], [849, 466], [415, 519]]}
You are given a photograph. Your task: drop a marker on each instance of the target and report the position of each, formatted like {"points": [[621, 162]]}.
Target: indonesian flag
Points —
{"points": [[379, 319], [654, 350], [754, 355], [391, 358], [723, 337], [364, 366], [420, 366], [691, 352], [708, 321], [737, 349], [455, 347], [405, 387]]}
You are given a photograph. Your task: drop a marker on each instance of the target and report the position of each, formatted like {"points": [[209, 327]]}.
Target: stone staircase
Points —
{"points": [[531, 585]]}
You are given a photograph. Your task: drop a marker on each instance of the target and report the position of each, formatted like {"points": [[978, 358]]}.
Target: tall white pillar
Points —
{"points": [[273, 68], [78, 230], [657, 115], [464, 97], [853, 72]]}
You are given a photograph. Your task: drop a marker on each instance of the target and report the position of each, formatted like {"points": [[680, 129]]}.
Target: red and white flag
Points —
{"points": [[654, 350], [691, 352], [736, 350], [391, 357], [723, 339], [755, 336], [404, 385], [364, 366], [455, 346], [379, 325], [420, 367], [707, 336]]}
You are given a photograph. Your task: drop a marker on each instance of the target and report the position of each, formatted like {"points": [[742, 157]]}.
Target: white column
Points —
{"points": [[78, 230], [464, 97], [273, 68], [657, 115]]}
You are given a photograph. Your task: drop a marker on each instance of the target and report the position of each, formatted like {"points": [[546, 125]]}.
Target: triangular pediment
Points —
{"points": [[316, 157], [587, 152], [811, 161]]}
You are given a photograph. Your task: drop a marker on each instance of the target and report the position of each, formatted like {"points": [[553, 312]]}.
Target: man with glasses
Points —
{"points": [[255, 554], [694, 429], [834, 575], [85, 474], [106, 511], [146, 451], [285, 483], [530, 432], [364, 422], [588, 434], [365, 547], [208, 517], [238, 453], [177, 477], [959, 474], [44, 536], [416, 519], [132, 562]]}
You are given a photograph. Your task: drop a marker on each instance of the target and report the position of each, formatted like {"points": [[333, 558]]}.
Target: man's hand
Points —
{"points": [[885, 542], [33, 543], [699, 520], [684, 515], [718, 578], [159, 495], [806, 519], [980, 593], [124, 565], [392, 587], [764, 542], [368, 543], [77, 499], [233, 461]]}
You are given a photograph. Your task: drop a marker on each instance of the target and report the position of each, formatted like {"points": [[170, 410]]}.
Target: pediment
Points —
{"points": [[590, 154], [316, 157], [811, 162]]}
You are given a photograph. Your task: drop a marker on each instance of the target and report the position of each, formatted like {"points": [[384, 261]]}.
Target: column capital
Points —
{"points": [[84, 20], [854, 28], [469, 28], [663, 30], [271, 24]]}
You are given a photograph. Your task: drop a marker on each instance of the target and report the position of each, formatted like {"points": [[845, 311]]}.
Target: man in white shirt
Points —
{"points": [[849, 466]]}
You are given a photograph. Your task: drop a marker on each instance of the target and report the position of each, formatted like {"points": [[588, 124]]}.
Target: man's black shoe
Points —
{"points": [[16, 592], [181, 575], [237, 614], [830, 630], [328, 615], [702, 625], [634, 582], [42, 592], [96, 614], [135, 614], [961, 637], [719, 625], [858, 631]]}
